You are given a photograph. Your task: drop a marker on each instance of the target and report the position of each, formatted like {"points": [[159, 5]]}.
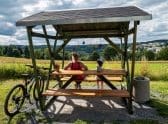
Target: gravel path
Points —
{"points": [[104, 109]]}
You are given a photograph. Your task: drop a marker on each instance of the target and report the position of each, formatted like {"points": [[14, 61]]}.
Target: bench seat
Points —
{"points": [[86, 92]]}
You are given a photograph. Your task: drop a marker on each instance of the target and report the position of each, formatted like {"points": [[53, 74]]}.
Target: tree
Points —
{"points": [[16, 53], [163, 54], [37, 54], [10, 51], [94, 56], [26, 52], [20, 50], [150, 55], [138, 55], [1, 51], [109, 53], [5, 50]]}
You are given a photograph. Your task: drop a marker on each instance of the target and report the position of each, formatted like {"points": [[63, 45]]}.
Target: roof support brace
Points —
{"points": [[49, 46], [114, 45], [66, 41]]}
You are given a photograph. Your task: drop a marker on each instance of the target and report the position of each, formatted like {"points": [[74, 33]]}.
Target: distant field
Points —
{"points": [[13, 67]]}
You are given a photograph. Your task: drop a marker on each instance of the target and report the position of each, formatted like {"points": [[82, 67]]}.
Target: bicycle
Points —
{"points": [[17, 95]]}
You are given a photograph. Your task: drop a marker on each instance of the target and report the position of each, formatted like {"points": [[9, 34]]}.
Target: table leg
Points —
{"points": [[107, 81], [112, 87], [67, 83]]}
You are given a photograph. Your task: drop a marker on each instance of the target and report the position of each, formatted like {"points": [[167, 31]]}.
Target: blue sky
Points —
{"points": [[13, 10]]}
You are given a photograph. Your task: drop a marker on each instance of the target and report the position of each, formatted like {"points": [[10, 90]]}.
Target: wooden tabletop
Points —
{"points": [[90, 72]]}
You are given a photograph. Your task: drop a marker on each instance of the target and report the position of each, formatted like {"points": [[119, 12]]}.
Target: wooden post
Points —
{"points": [[63, 57], [31, 48], [126, 62], [121, 47], [133, 55], [132, 67], [125, 50]]}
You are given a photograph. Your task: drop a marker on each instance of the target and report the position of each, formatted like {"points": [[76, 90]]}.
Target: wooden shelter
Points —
{"points": [[89, 23]]}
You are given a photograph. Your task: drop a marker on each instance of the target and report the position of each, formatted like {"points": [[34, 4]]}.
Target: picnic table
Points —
{"points": [[87, 92]]}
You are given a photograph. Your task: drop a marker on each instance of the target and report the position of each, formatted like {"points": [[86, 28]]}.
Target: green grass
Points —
{"points": [[145, 121], [160, 105], [5, 86], [159, 97], [161, 87]]}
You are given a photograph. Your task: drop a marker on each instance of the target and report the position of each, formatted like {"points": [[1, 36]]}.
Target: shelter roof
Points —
{"points": [[83, 16]]}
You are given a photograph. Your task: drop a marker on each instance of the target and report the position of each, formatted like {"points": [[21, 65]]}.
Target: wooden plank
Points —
{"points": [[93, 79], [86, 92], [90, 72]]}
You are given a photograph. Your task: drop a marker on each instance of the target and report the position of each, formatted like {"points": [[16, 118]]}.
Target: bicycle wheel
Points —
{"points": [[35, 90], [14, 100]]}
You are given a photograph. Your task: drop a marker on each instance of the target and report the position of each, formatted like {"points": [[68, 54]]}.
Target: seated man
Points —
{"points": [[75, 64]]}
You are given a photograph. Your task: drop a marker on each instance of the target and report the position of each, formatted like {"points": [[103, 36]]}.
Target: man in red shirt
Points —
{"points": [[75, 64]]}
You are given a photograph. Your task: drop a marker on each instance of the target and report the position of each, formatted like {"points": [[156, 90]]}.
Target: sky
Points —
{"points": [[13, 10]]}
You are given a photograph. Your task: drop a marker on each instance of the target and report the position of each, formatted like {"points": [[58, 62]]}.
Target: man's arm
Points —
{"points": [[84, 67], [67, 67]]}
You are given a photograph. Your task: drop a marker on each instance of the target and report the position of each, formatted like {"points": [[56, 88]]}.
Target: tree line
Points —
{"points": [[107, 52]]}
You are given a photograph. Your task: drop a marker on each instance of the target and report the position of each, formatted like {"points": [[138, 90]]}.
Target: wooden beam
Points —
{"points": [[130, 31], [91, 32], [95, 35], [66, 41], [114, 45], [35, 34], [49, 46], [86, 92]]}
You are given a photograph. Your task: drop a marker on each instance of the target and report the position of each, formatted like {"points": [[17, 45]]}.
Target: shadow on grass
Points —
{"points": [[160, 106]]}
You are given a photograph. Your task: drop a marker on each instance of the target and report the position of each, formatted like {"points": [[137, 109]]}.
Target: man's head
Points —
{"points": [[75, 57]]}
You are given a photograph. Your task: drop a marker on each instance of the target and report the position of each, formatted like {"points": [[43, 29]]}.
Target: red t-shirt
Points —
{"points": [[77, 66]]}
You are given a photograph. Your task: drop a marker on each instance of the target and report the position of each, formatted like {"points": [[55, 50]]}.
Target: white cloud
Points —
{"points": [[77, 2], [7, 28], [6, 40], [2, 17], [29, 9]]}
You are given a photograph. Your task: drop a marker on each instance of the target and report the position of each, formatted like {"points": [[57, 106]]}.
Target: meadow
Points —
{"points": [[14, 67]]}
